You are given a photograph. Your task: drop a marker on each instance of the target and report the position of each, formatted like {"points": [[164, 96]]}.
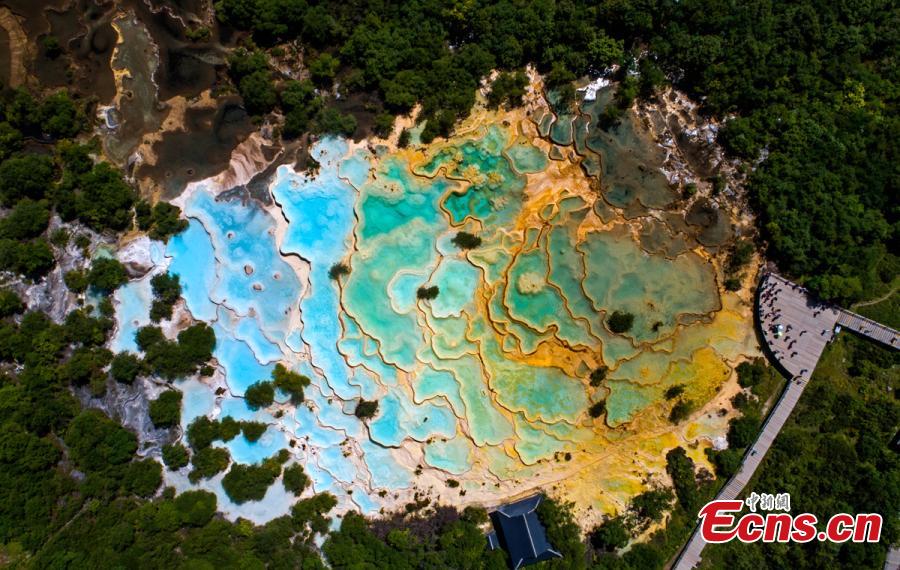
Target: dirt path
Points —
{"points": [[18, 44], [884, 297]]}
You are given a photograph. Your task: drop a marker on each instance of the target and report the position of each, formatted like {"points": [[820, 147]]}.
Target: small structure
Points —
{"points": [[519, 532]]}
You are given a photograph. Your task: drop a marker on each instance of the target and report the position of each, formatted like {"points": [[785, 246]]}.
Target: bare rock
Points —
{"points": [[136, 257]]}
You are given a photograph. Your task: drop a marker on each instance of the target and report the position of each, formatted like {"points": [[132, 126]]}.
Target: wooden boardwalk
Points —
{"points": [[795, 329], [869, 329]]}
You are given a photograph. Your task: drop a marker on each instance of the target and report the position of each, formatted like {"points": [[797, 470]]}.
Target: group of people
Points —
{"points": [[770, 312]]}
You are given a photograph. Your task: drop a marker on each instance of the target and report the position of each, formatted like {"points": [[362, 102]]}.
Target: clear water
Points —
{"points": [[487, 382]]}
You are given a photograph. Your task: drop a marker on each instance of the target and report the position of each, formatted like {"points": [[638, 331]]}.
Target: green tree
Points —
{"points": [[680, 411], [10, 140], [197, 508], [620, 322], [96, 442], [673, 392], [597, 409], [107, 275], [260, 395], [507, 90], [103, 200], [323, 69], [126, 367], [681, 468], [253, 430], [10, 303], [290, 382], [258, 92], [330, 121], [383, 125], [166, 221], [428, 293], [207, 462], [28, 219], [165, 411], [742, 431], [610, 535], [250, 482], [295, 479], [175, 456], [466, 241], [143, 477], [366, 409], [598, 375], [338, 270], [650, 506], [28, 176], [166, 292]]}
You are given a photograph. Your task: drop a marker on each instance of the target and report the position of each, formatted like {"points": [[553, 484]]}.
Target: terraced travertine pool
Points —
{"points": [[488, 383]]}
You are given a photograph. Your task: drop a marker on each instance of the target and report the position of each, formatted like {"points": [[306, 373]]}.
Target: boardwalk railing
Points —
{"points": [[870, 329]]}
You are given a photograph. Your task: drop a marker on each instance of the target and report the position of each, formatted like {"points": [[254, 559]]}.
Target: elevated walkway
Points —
{"points": [[795, 328]]}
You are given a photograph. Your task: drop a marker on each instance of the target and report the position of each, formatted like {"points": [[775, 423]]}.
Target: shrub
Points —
{"points": [[680, 411], [175, 456], [620, 322], [126, 367], [107, 275], [366, 409], [260, 395], [295, 479], [673, 392], [207, 462], [597, 409], [10, 303], [464, 240], [250, 482], [166, 292], [610, 535], [742, 431], [290, 382], [253, 430], [165, 411], [428, 293], [143, 477], [598, 375], [338, 270]]}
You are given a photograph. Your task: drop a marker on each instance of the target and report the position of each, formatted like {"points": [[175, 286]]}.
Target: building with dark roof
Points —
{"points": [[519, 532]]}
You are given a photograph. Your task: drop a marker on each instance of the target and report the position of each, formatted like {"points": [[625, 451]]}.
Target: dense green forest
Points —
{"points": [[832, 456], [807, 92]]}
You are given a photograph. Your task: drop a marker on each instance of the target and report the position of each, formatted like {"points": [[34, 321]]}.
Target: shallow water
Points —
{"points": [[487, 382]]}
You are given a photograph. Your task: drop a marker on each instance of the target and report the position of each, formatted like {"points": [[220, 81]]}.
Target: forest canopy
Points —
{"points": [[806, 91]]}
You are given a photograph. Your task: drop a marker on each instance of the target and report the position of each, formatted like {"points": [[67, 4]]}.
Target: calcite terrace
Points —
{"points": [[487, 384]]}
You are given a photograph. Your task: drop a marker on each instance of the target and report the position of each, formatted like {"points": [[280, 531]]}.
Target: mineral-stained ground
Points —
{"points": [[484, 391]]}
